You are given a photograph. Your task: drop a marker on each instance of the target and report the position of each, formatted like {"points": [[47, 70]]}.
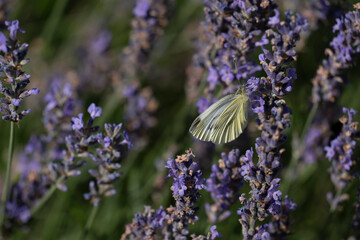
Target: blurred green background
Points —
{"points": [[56, 29]]}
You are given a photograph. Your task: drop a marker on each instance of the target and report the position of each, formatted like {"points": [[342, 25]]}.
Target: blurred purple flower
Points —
{"points": [[203, 104], [330, 80], [340, 153], [141, 9], [224, 184], [139, 112], [345, 45], [101, 43], [148, 24]]}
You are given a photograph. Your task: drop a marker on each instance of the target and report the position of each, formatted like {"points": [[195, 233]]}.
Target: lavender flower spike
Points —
{"points": [[78, 144], [328, 83], [13, 79], [340, 153], [330, 80], [273, 117], [173, 223], [224, 184], [112, 148], [151, 17], [187, 182], [233, 30]]}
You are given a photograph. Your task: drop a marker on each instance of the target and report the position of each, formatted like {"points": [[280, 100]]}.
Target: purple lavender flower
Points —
{"points": [[139, 112], [213, 234], [187, 182], [330, 80], [37, 173], [224, 184], [173, 223], [273, 117], [31, 184], [340, 153], [14, 80], [151, 17], [84, 135], [112, 147], [96, 70], [145, 225], [233, 30], [280, 224], [101, 42], [141, 9], [203, 104]]}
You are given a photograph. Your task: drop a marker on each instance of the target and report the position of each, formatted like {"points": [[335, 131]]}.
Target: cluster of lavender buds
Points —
{"points": [[112, 147], [224, 184], [235, 29], [273, 117], [151, 17], [172, 223], [146, 225], [341, 154], [95, 69], [13, 79], [79, 146], [83, 137], [329, 81], [187, 183]]}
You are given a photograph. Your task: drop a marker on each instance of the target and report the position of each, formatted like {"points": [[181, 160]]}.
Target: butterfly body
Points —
{"points": [[224, 120]]}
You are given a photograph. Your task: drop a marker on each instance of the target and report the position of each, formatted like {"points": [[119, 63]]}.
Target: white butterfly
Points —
{"points": [[224, 120]]}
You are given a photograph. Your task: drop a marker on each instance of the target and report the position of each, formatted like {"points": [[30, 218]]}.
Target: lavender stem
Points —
{"points": [[90, 221], [8, 175], [46, 197], [289, 176]]}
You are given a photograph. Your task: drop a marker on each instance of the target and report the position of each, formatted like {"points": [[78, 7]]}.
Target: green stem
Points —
{"points": [[46, 197], [52, 22], [309, 121], [8, 175], [90, 221], [290, 173]]}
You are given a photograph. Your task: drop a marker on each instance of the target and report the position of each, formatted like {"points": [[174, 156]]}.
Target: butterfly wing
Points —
{"points": [[202, 126], [232, 121]]}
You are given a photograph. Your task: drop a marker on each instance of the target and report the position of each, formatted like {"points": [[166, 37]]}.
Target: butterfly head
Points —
{"points": [[241, 90]]}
